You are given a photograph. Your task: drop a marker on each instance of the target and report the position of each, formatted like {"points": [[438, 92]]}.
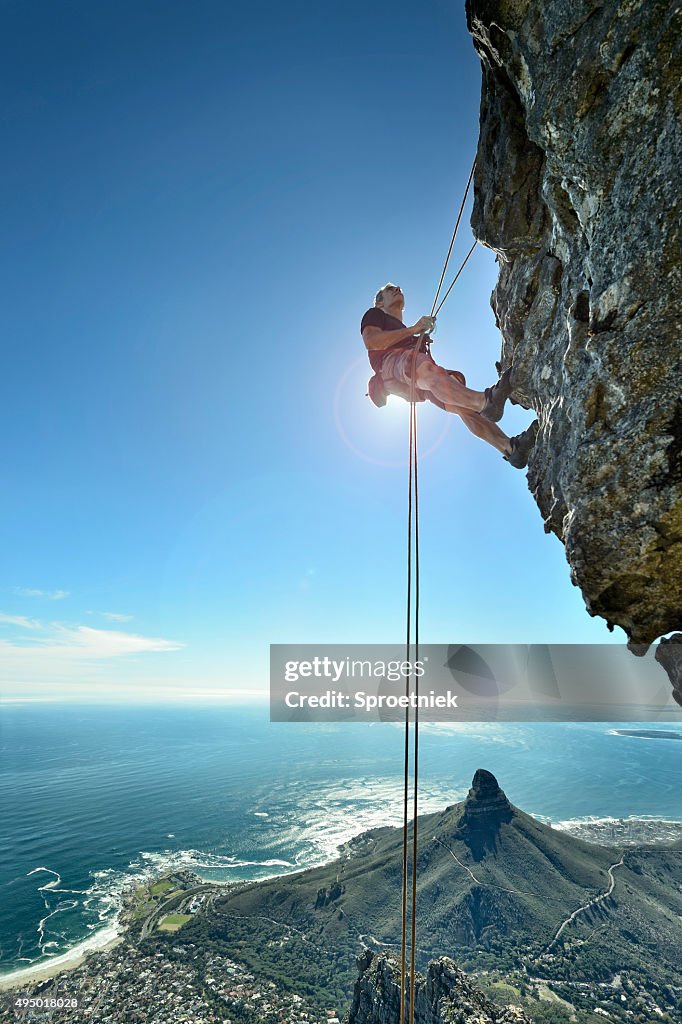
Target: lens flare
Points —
{"points": [[355, 415]]}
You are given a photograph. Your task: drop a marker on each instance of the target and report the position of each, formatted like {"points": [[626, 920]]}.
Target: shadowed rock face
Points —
{"points": [[485, 802], [485, 809], [444, 996], [669, 655], [577, 191]]}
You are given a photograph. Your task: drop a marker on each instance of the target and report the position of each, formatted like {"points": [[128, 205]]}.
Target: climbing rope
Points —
{"points": [[452, 242], [413, 584], [412, 527], [454, 280]]}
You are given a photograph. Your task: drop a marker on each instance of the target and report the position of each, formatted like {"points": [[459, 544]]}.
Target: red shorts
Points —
{"points": [[397, 366], [395, 373]]}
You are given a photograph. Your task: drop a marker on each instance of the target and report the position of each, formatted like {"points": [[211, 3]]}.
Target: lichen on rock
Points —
{"points": [[577, 192]]}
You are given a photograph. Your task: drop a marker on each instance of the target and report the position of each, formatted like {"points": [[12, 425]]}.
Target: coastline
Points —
{"points": [[104, 939], [113, 934], [648, 734], [101, 941]]}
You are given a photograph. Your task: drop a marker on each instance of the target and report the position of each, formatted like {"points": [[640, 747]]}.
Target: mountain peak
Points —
{"points": [[485, 798], [485, 784]]}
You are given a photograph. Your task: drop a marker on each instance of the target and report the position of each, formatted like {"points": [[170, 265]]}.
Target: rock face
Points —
{"points": [[577, 191], [669, 655], [485, 802], [445, 996]]}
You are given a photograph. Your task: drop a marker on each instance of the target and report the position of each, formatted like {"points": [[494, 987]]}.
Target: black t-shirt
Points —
{"points": [[376, 317]]}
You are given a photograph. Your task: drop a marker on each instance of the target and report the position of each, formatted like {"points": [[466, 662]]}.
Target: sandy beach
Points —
{"points": [[104, 939]]}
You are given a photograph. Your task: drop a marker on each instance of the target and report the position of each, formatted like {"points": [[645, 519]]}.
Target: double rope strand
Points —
{"points": [[413, 528], [452, 242], [412, 521], [454, 280], [413, 931]]}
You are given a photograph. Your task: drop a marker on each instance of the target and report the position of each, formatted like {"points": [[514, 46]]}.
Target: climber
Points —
{"points": [[390, 345]]}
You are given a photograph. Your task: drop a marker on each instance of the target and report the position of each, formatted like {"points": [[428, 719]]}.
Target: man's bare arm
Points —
{"points": [[377, 340]]}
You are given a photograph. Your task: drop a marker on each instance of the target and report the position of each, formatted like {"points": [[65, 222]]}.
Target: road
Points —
{"points": [[591, 902], [176, 902]]}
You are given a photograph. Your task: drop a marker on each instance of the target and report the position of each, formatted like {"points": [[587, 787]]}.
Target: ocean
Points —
{"points": [[95, 797]]}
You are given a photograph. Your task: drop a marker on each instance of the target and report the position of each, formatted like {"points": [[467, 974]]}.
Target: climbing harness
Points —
{"points": [[413, 584]]}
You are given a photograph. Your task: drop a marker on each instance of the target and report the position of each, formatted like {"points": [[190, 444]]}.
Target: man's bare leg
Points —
{"points": [[468, 404], [433, 378], [483, 428], [486, 430]]}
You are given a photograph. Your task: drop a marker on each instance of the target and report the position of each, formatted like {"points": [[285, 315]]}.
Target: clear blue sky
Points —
{"points": [[199, 202]]}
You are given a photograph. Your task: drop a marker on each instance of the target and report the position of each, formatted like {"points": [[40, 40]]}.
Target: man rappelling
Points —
{"points": [[391, 349]]}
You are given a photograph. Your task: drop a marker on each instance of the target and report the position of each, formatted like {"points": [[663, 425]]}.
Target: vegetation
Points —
{"points": [[492, 895], [160, 887], [275, 953], [171, 922]]}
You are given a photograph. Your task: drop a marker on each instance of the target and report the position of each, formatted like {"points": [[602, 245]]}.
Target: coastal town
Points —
{"points": [[187, 985], [138, 981], [624, 831], [141, 981], [126, 985], [151, 977]]}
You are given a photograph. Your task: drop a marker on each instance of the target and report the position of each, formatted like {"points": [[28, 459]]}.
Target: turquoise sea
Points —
{"points": [[93, 797]]}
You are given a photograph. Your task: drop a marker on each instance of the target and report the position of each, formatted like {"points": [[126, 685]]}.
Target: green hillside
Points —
{"points": [[494, 887]]}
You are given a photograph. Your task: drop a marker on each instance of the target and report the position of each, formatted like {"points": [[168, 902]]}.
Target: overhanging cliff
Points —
{"points": [[577, 191]]}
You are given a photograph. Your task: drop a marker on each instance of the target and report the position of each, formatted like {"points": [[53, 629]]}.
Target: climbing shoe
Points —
{"points": [[521, 446], [496, 396]]}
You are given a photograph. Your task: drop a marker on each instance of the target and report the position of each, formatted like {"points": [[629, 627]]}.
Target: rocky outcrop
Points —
{"points": [[444, 996], [326, 896], [485, 801], [577, 191], [669, 655]]}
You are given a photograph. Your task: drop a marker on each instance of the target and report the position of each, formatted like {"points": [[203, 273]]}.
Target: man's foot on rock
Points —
{"points": [[522, 445], [496, 396]]}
